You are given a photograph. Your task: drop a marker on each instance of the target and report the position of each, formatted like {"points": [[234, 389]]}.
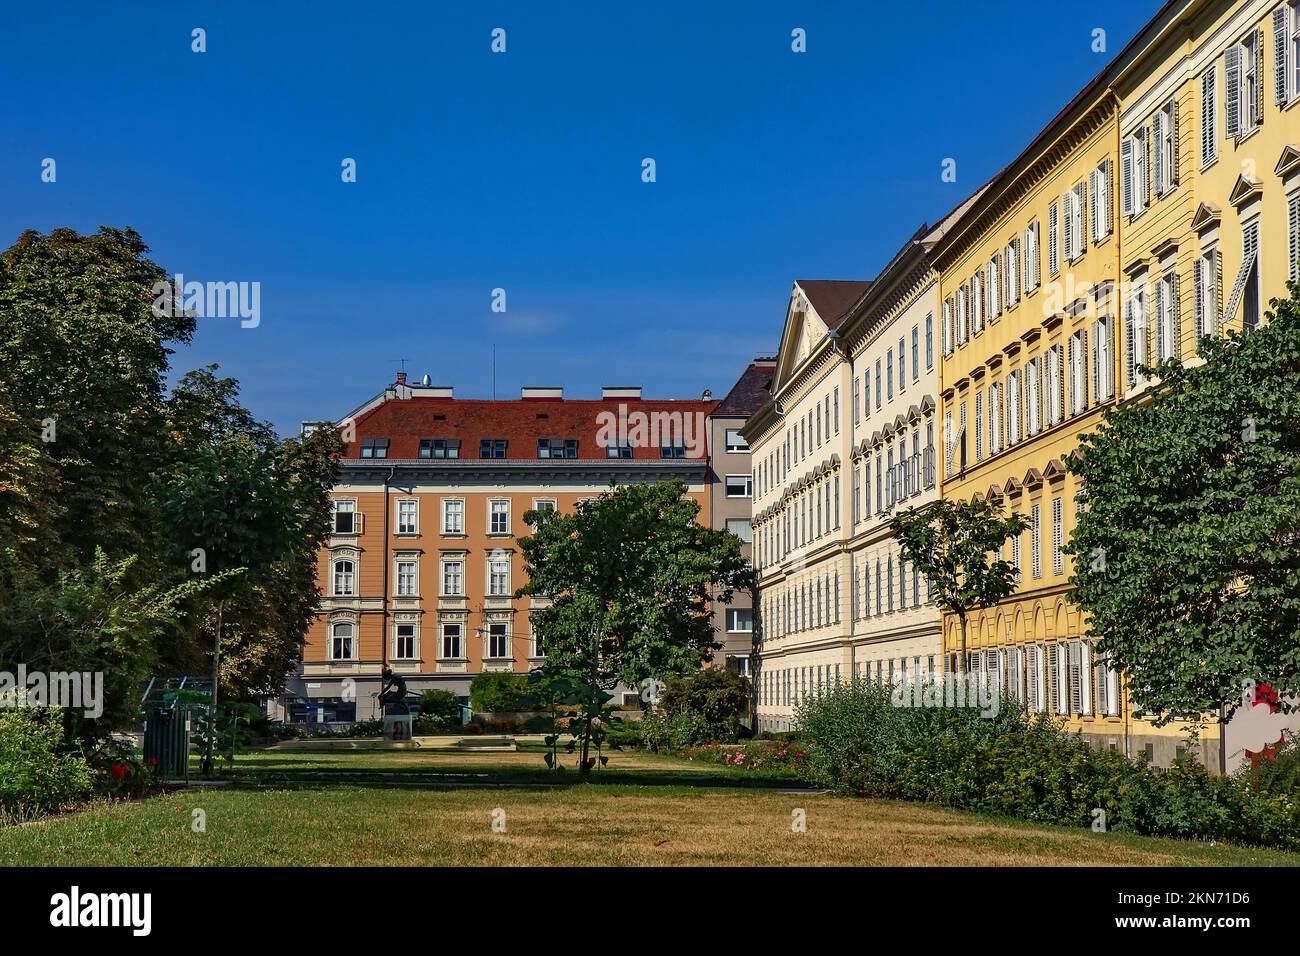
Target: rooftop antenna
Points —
{"points": [[402, 360]]}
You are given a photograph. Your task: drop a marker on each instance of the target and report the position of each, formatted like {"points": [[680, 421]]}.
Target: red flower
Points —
{"points": [[153, 761], [120, 770]]}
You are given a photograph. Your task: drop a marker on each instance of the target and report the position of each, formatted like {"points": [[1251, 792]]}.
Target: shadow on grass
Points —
{"points": [[300, 774]]}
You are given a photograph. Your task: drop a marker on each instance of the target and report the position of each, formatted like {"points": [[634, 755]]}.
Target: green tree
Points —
{"points": [[630, 577], [956, 546], [719, 696], [1186, 555]]}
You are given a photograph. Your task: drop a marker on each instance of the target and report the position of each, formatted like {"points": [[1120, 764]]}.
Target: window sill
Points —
{"points": [[406, 534], [454, 534]]}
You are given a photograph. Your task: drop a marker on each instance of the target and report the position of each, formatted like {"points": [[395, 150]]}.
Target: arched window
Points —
{"points": [[341, 643], [344, 578]]}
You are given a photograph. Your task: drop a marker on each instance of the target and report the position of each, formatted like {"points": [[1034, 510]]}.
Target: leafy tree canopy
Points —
{"points": [[1187, 557]]}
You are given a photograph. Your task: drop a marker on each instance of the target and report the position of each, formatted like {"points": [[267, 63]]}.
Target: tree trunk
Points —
{"points": [[216, 680]]}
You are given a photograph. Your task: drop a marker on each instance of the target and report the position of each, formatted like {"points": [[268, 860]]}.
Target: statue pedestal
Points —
{"points": [[397, 726]]}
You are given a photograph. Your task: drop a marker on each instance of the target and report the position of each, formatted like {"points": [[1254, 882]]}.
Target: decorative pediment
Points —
{"points": [[1011, 486], [835, 460], [1207, 214], [900, 422], [1246, 188], [927, 404], [994, 493], [1289, 161], [1033, 478], [1054, 469], [913, 415]]}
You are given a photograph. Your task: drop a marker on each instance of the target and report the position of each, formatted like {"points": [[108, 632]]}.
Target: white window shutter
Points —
{"points": [[1293, 219], [1158, 158], [1198, 290], [1146, 186], [1279, 54], [1232, 92], [1175, 305], [1160, 320], [1209, 145], [1053, 227], [1085, 677], [1259, 75], [1127, 206], [1173, 173]]}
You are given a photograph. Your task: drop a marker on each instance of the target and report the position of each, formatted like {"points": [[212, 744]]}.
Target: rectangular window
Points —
{"points": [[407, 515], [739, 486], [1209, 118], [736, 444], [406, 579], [344, 579], [341, 645], [620, 448], [492, 448], [451, 646], [1293, 229], [741, 528], [345, 514], [740, 620], [404, 642], [929, 340], [499, 517], [498, 641], [559, 448], [439, 448], [1165, 159], [1032, 263], [453, 578], [498, 577], [374, 448], [1053, 239], [453, 516]]}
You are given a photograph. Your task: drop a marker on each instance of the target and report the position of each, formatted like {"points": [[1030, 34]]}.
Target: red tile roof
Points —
{"points": [[833, 298], [521, 422]]}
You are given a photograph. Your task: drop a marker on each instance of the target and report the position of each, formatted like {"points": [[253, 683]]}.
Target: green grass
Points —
{"points": [[358, 808]]}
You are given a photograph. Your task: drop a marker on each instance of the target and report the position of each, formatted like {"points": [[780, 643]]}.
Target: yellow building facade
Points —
{"points": [[1163, 203]]}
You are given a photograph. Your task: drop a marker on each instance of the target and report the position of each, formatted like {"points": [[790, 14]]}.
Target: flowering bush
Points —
{"points": [[778, 758], [122, 771]]}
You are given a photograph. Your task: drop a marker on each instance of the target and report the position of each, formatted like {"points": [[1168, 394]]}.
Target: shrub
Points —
{"points": [[497, 691], [121, 770], [675, 732], [714, 698], [1278, 776], [442, 706], [39, 771], [1016, 765]]}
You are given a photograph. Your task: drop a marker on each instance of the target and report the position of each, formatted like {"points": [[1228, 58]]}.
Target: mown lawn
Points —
{"points": [[359, 808]]}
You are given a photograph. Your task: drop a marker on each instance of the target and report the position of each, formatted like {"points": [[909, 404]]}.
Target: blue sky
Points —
{"points": [[519, 170]]}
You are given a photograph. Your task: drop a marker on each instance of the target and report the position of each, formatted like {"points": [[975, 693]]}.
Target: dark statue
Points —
{"points": [[392, 696]]}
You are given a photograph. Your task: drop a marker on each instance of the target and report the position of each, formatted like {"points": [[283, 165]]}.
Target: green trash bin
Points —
{"points": [[167, 740]]}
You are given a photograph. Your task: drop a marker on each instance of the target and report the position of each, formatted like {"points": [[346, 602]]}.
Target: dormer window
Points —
{"points": [[439, 447], [557, 448], [374, 448], [492, 448]]}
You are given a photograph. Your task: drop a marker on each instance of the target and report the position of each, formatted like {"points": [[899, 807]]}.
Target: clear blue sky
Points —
{"points": [[520, 170]]}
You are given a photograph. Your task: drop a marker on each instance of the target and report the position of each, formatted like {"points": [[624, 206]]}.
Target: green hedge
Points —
{"points": [[39, 771], [1029, 768]]}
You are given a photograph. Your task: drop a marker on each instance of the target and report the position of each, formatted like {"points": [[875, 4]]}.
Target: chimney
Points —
{"points": [[706, 395], [620, 391], [540, 391], [401, 378]]}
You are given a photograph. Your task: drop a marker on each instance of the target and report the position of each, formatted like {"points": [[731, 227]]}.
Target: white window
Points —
{"points": [[1011, 272], [453, 577], [995, 418], [740, 620], [1054, 385], [342, 642], [1103, 373], [1207, 294], [995, 289], [736, 443], [1164, 128], [345, 516], [1099, 201], [1032, 266], [1167, 331], [947, 330], [498, 640], [451, 645], [977, 301], [1013, 408], [979, 426], [453, 516], [1074, 223], [498, 576], [1033, 396], [962, 317], [1138, 322], [408, 516], [406, 578], [499, 516], [740, 486], [1133, 155], [1243, 100], [404, 642], [741, 528], [344, 579], [1053, 239]]}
